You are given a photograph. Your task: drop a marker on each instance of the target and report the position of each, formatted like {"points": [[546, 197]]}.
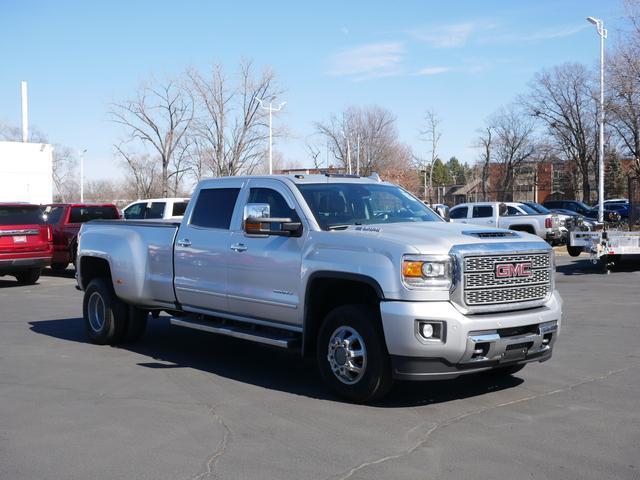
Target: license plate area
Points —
{"points": [[516, 351], [19, 239]]}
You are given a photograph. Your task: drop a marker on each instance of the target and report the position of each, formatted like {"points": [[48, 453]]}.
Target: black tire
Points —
{"points": [[375, 380], [73, 252], [574, 251], [59, 267], [28, 277], [136, 324], [506, 371], [105, 315]]}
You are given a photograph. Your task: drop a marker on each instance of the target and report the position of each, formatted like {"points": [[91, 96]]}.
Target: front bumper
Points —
{"points": [[472, 343]]}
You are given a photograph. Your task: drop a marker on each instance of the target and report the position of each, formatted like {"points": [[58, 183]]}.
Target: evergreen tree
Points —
{"points": [[614, 178], [457, 171]]}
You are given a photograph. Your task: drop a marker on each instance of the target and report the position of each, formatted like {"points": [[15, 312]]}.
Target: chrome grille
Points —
{"points": [[487, 263], [487, 279], [517, 294], [482, 288]]}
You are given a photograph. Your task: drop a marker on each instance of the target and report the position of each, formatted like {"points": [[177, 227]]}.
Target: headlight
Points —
{"points": [[427, 272]]}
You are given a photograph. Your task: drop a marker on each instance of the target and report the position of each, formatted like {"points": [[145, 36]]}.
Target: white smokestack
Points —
{"points": [[25, 113]]}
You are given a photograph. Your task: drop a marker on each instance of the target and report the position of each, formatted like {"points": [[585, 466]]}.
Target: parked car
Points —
{"points": [[356, 272], [25, 242], [582, 208], [621, 208], [156, 208], [510, 215], [65, 220]]}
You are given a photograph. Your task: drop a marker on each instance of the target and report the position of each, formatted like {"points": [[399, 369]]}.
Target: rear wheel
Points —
{"points": [[352, 355], [574, 251], [28, 277], [105, 315], [59, 267]]}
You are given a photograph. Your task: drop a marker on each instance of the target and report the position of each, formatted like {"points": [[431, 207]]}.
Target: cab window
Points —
{"points": [[458, 212], [482, 211], [214, 208], [277, 204]]}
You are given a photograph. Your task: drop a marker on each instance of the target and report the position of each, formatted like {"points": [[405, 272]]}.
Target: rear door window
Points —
{"points": [[214, 208], [54, 215], [179, 208], [482, 211]]}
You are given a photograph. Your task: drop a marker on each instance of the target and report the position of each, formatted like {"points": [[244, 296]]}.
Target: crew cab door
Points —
{"points": [[483, 215], [202, 247], [264, 272]]}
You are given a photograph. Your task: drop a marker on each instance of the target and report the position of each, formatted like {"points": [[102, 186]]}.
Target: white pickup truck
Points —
{"points": [[356, 272], [510, 215]]}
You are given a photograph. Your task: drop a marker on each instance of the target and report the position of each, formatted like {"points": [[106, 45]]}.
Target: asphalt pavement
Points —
{"points": [[186, 405]]}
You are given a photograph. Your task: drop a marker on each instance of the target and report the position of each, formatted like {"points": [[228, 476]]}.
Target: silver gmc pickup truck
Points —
{"points": [[355, 271]]}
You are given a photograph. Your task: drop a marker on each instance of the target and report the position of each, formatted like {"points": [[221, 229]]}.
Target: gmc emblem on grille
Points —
{"points": [[509, 270]]}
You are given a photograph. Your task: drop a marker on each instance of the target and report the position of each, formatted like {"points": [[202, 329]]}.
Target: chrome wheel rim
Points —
{"points": [[97, 312], [347, 355]]}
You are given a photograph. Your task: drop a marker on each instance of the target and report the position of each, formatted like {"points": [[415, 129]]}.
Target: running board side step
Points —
{"points": [[265, 336]]}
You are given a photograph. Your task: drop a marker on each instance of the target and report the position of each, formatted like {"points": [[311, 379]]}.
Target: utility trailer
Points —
{"points": [[610, 241], [606, 246]]}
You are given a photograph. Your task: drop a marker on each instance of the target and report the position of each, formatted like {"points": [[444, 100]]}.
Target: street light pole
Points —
{"points": [[602, 32], [270, 109], [82, 175]]}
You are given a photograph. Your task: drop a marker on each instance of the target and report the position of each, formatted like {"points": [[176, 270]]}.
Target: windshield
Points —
{"points": [[338, 205], [527, 209], [538, 208]]}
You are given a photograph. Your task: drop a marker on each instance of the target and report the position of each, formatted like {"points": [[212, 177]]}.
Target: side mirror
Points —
{"points": [[443, 211], [257, 221]]}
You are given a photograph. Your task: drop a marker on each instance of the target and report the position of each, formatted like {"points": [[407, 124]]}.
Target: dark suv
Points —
{"points": [[582, 209]]}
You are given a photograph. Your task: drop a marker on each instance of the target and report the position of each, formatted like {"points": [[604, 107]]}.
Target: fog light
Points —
{"points": [[427, 330], [431, 330]]}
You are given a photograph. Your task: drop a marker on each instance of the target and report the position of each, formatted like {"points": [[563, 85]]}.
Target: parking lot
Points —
{"points": [[186, 405]]}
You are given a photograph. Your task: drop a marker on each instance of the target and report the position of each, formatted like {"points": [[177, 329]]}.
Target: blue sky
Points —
{"points": [[463, 59]]}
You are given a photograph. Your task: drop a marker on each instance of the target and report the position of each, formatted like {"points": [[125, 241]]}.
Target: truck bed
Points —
{"points": [[140, 255]]}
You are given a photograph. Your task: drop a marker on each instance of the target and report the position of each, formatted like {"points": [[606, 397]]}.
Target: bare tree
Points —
{"points": [[230, 126], [513, 145], [562, 98], [143, 181], [367, 137], [430, 134], [158, 118], [485, 143], [65, 168]]}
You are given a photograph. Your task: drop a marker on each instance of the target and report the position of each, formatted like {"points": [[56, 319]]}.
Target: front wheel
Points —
{"points": [[352, 355], [105, 315], [574, 251]]}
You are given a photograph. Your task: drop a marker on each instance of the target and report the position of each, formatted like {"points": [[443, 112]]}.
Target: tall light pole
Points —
{"points": [[346, 137], [82, 175], [603, 34], [270, 109]]}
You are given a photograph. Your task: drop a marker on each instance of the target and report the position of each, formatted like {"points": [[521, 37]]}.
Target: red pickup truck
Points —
{"points": [[66, 219], [25, 242]]}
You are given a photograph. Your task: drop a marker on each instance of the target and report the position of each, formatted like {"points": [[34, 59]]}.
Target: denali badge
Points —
{"points": [[508, 270]]}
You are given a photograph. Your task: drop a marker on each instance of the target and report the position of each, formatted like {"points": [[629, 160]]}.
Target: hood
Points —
{"points": [[439, 237]]}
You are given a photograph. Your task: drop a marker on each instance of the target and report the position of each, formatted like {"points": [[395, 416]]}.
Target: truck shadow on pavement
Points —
{"points": [[169, 347], [584, 266]]}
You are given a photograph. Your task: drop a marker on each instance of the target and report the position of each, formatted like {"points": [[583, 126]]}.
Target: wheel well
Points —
{"points": [[523, 228], [325, 294], [92, 268]]}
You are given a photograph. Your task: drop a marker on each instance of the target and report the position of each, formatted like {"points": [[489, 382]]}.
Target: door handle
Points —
{"points": [[238, 247], [491, 221], [184, 242]]}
